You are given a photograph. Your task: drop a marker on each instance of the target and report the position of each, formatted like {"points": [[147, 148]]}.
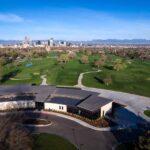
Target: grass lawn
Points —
{"points": [[66, 74], [126, 146], [147, 113], [51, 142], [134, 79]]}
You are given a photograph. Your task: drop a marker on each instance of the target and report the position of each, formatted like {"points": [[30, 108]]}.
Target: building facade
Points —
{"points": [[51, 98]]}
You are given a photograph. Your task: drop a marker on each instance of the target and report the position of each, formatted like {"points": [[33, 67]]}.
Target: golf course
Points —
{"points": [[135, 78]]}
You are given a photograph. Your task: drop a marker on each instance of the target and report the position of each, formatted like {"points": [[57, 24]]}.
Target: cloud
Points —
{"points": [[10, 18]]}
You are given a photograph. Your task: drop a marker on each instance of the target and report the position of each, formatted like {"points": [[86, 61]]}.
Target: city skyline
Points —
{"points": [[79, 20]]}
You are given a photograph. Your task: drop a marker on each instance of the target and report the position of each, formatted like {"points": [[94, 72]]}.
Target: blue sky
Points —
{"points": [[75, 19]]}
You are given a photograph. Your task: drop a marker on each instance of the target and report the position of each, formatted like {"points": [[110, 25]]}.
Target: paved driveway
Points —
{"points": [[85, 138]]}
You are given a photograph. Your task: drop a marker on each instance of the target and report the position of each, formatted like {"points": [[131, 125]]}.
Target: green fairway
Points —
{"points": [[134, 79], [56, 74], [51, 142], [147, 113]]}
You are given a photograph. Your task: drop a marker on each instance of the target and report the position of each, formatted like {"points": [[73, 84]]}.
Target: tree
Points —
{"points": [[99, 63], [63, 58], [103, 58], [84, 59], [108, 80], [119, 64], [12, 135], [72, 55], [88, 52], [1, 71]]}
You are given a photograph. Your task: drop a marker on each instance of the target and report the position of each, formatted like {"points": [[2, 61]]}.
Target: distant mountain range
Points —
{"points": [[9, 42], [118, 42], [94, 42]]}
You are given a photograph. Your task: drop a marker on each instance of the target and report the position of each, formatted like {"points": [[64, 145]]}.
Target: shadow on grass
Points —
{"points": [[10, 75], [99, 80], [109, 67]]}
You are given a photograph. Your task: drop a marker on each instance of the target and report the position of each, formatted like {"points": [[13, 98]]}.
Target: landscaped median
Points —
{"points": [[36, 122]]}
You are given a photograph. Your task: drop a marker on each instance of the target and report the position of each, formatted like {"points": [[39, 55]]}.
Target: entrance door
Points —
{"points": [[39, 105], [103, 113]]}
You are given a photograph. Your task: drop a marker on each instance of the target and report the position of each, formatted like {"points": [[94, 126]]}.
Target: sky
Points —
{"points": [[74, 19]]}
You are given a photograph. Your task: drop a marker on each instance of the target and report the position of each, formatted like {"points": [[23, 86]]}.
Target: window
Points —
{"points": [[61, 107]]}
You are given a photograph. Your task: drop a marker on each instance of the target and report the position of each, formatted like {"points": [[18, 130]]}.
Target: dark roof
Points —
{"points": [[93, 103], [72, 93], [14, 89], [42, 92], [18, 98], [64, 100]]}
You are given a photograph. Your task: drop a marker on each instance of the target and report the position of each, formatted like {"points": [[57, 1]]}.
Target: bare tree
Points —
{"points": [[64, 58], [99, 63], [12, 135], [88, 52], [84, 59], [108, 80], [1, 71]]}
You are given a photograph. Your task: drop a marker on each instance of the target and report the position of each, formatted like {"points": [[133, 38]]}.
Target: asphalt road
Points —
{"points": [[84, 138]]}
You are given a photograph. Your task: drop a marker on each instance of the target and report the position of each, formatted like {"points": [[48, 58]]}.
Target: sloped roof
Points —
{"points": [[15, 89], [64, 100], [72, 93], [42, 92], [93, 103]]}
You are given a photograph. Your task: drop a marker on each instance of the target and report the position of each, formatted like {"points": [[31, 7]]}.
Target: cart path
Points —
{"points": [[44, 80], [80, 85]]}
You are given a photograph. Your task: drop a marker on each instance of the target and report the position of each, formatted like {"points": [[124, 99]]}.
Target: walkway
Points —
{"points": [[80, 85], [44, 80]]}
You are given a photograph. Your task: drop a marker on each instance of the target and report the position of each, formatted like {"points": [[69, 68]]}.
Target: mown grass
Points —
{"points": [[45, 141], [134, 79]]}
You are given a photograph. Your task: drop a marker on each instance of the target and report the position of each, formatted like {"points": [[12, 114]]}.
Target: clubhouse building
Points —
{"points": [[51, 98]]}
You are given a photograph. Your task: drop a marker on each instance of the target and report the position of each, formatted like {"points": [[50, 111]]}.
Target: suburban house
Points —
{"points": [[51, 98]]}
